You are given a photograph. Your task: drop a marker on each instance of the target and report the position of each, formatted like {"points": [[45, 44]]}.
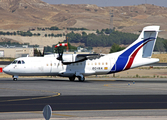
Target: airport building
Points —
{"points": [[24, 50], [15, 52]]}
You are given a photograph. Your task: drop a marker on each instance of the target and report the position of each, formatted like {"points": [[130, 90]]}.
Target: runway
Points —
{"points": [[102, 94], [99, 102]]}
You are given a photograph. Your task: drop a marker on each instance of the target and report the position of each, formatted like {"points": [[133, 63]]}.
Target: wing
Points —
{"points": [[74, 58], [89, 56]]}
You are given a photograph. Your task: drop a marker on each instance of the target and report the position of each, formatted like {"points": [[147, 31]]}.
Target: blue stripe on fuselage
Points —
{"points": [[123, 58]]}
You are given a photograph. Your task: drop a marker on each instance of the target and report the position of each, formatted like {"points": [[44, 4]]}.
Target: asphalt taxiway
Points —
{"points": [[96, 97]]}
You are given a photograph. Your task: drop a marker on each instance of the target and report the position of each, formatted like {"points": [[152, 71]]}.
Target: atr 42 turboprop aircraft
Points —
{"points": [[80, 65]]}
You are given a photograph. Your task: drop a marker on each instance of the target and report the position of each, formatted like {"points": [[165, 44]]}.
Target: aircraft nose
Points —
{"points": [[6, 70]]}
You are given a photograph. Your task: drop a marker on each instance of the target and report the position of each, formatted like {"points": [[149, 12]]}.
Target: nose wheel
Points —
{"points": [[15, 78]]}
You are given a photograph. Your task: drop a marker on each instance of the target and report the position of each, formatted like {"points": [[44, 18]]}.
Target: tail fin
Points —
{"points": [[139, 50], [144, 45]]}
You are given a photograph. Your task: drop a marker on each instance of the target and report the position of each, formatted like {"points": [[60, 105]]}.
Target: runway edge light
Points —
{"points": [[47, 112]]}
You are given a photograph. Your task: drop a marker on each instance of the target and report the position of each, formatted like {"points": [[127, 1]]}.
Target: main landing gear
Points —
{"points": [[81, 79], [72, 78]]}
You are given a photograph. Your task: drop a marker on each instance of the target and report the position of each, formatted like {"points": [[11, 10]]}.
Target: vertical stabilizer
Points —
{"points": [[139, 50], [144, 45]]}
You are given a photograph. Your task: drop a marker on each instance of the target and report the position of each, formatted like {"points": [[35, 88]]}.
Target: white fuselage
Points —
{"points": [[50, 66]]}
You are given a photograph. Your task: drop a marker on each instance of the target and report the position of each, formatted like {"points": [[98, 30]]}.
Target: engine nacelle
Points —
{"points": [[71, 58], [74, 58]]}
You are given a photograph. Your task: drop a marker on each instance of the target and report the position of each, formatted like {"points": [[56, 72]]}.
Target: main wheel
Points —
{"points": [[72, 78], [81, 79]]}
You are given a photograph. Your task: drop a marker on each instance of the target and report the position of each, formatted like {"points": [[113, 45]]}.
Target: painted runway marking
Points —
{"points": [[34, 98], [63, 115]]}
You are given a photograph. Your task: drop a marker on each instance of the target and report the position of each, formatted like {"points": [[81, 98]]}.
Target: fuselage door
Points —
{"points": [[113, 64], [57, 66]]}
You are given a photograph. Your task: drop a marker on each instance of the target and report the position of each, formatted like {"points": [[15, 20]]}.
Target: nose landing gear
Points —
{"points": [[15, 77]]}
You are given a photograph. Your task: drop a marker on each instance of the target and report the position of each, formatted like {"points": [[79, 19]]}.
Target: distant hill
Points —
{"points": [[25, 14]]}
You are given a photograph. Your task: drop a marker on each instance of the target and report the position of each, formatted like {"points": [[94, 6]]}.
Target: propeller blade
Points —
{"points": [[61, 44]]}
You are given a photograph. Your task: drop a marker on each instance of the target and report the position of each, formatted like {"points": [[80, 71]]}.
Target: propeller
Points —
{"points": [[60, 52], [42, 54]]}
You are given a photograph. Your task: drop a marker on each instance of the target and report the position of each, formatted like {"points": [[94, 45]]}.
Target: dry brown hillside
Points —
{"points": [[25, 14]]}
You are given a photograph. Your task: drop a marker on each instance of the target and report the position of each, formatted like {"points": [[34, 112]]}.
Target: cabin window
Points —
{"points": [[80, 63], [91, 63], [102, 63], [106, 63], [95, 63], [54, 64], [88, 63], [46, 64], [99, 63]]}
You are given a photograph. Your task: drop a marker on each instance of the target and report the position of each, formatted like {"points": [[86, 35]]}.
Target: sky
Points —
{"points": [[103, 3]]}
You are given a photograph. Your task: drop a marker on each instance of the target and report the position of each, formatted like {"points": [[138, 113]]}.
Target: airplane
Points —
{"points": [[80, 65]]}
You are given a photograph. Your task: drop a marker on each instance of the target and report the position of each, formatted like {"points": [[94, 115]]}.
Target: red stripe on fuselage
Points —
{"points": [[132, 57]]}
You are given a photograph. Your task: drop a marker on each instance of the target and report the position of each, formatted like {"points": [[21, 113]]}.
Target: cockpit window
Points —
{"points": [[19, 62], [14, 62], [23, 62]]}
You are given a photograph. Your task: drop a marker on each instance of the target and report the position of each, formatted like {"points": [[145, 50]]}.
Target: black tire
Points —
{"points": [[14, 79], [81, 79], [72, 78]]}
